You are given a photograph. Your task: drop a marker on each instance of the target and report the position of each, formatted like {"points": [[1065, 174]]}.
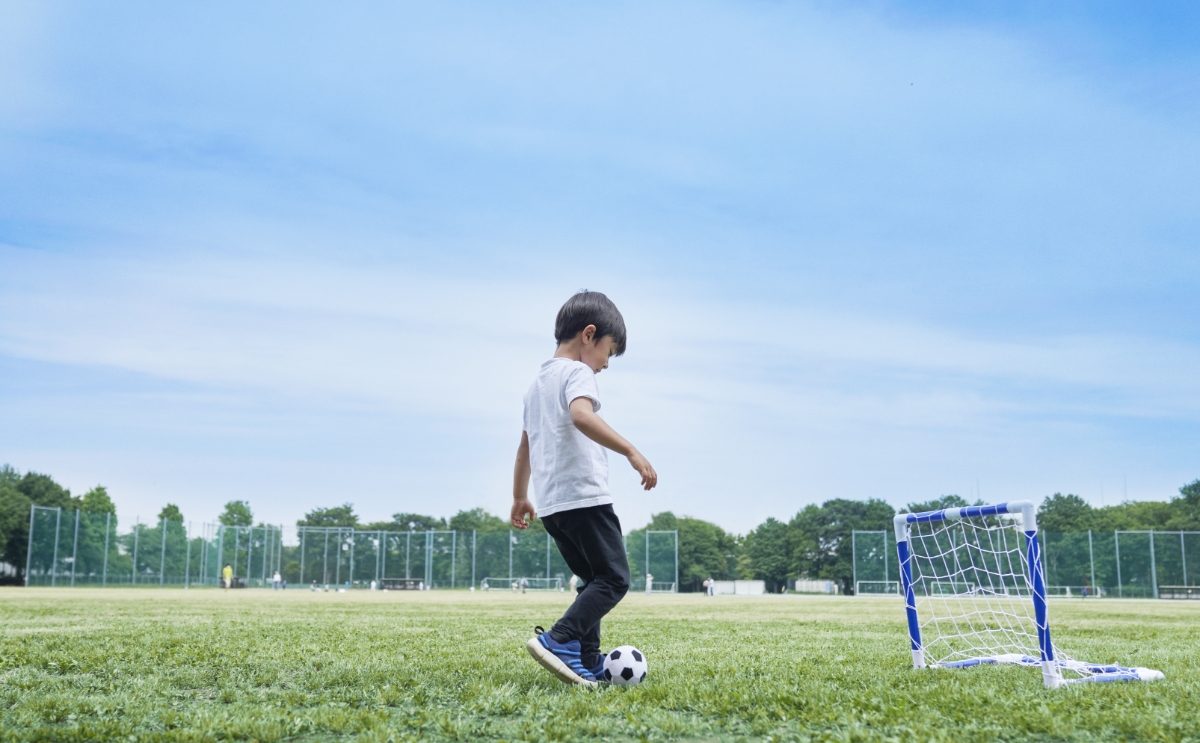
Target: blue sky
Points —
{"points": [[302, 254]]}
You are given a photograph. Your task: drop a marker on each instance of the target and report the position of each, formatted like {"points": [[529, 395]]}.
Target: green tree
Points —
{"points": [[1185, 508], [96, 500], [14, 519], [237, 513], [17, 495], [937, 504], [477, 519], [768, 555], [170, 512], [44, 491], [342, 515], [1066, 513], [821, 537], [705, 550], [417, 522]]}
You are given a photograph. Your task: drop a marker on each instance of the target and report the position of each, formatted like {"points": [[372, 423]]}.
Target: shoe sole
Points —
{"points": [[551, 663]]}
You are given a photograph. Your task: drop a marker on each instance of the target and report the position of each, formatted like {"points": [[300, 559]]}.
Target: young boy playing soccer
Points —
{"points": [[563, 449]]}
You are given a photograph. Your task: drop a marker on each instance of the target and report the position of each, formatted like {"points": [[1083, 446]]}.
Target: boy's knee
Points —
{"points": [[620, 583]]}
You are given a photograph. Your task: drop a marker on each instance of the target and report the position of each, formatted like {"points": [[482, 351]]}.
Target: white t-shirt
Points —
{"points": [[569, 470]]}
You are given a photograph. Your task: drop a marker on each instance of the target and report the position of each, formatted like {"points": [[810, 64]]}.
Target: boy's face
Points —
{"points": [[597, 351]]}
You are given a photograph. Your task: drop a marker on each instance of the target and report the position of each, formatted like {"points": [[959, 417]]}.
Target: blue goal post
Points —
{"points": [[974, 592]]}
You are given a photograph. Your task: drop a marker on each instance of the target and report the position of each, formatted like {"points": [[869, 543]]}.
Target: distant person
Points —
{"points": [[227, 575], [649, 582], [707, 584], [314, 586], [277, 579], [283, 584], [573, 583], [562, 449], [483, 585], [524, 584]]}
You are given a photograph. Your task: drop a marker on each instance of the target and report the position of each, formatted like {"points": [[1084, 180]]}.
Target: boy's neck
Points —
{"points": [[572, 349]]}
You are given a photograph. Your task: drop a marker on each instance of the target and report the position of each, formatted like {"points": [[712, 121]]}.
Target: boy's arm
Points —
{"points": [[521, 506], [594, 427]]}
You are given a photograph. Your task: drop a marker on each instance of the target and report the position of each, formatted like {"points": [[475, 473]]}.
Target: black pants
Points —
{"points": [[591, 543]]}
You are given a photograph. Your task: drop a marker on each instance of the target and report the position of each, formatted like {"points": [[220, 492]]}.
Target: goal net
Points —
{"points": [[974, 590], [521, 584]]}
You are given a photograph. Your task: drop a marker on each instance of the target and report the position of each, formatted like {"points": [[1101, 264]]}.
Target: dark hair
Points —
{"points": [[590, 308]]}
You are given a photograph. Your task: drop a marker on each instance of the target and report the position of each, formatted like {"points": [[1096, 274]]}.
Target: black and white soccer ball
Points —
{"points": [[625, 666]]}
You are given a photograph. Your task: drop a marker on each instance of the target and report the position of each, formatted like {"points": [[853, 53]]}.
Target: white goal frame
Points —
{"points": [[541, 583], [974, 586], [891, 588]]}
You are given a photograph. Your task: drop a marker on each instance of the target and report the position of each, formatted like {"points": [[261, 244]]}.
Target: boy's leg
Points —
{"points": [[577, 563], [592, 545]]}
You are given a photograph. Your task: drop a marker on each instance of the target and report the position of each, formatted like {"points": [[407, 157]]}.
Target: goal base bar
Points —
{"points": [[1101, 673]]}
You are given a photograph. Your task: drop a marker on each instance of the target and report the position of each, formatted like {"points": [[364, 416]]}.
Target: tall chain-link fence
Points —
{"points": [[77, 548], [1117, 564]]}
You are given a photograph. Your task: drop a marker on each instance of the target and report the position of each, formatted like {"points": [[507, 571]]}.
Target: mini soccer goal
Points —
{"points": [[877, 588], [974, 591], [521, 584]]}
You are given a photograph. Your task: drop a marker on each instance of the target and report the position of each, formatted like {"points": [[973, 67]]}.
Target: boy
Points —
{"points": [[563, 449]]}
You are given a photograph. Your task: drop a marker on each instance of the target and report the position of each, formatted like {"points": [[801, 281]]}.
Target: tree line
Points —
{"points": [[813, 544]]}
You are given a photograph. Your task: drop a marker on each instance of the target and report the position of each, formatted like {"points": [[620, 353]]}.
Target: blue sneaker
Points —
{"points": [[598, 671], [559, 658]]}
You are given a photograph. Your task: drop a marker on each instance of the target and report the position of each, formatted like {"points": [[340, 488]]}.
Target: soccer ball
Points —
{"points": [[625, 666]]}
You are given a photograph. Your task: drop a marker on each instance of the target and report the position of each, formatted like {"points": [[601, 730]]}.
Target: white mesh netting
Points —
{"points": [[973, 594]]}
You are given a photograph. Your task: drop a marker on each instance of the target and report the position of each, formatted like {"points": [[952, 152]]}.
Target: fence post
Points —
{"points": [[453, 557], [510, 545], [1117, 548], [677, 559], [75, 548], [649, 587], [220, 551], [137, 533], [1153, 569], [408, 554], [854, 561], [885, 561], [162, 559], [29, 545], [302, 534], [1183, 557], [325, 560], [429, 560], [547, 555], [353, 541], [187, 565], [1092, 563], [383, 537], [337, 559], [107, 529], [54, 564], [473, 557], [266, 545], [249, 551]]}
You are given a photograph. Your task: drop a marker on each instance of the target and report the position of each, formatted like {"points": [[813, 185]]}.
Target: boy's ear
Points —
{"points": [[589, 334]]}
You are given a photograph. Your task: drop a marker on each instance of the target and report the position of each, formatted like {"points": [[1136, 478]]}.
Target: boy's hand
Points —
{"points": [[642, 465], [521, 508]]}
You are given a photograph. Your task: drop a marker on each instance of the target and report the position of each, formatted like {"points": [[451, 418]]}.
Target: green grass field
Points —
{"points": [[261, 665]]}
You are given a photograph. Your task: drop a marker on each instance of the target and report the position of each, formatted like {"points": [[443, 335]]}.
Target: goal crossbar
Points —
{"points": [[975, 595], [514, 583]]}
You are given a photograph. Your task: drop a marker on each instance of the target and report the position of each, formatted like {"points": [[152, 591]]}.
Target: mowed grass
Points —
{"points": [[262, 665]]}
